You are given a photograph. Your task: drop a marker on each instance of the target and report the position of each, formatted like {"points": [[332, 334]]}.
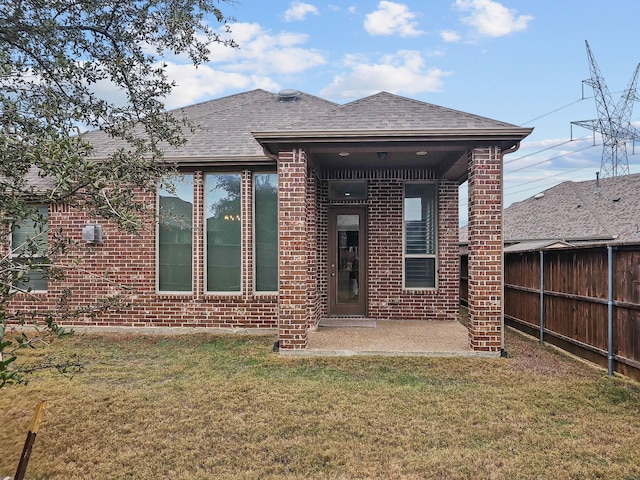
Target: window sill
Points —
{"points": [[170, 295]]}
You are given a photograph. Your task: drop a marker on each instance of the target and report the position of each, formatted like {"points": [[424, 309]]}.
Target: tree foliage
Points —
{"points": [[56, 57]]}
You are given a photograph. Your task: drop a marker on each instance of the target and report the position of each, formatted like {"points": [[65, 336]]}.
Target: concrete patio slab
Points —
{"points": [[392, 338]]}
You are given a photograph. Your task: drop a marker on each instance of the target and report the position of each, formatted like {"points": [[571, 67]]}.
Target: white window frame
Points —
{"points": [[436, 234]]}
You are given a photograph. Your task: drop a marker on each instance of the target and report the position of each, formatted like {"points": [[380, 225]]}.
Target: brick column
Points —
{"points": [[313, 304], [292, 225], [485, 250], [448, 251]]}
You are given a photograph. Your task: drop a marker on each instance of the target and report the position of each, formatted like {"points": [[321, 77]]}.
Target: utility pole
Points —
{"points": [[614, 120]]}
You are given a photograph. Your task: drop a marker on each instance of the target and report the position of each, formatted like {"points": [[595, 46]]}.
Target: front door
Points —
{"points": [[347, 261]]}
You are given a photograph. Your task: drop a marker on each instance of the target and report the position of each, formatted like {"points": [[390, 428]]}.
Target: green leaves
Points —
{"points": [[66, 67]]}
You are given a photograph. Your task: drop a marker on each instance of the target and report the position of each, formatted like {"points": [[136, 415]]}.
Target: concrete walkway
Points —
{"points": [[391, 338]]}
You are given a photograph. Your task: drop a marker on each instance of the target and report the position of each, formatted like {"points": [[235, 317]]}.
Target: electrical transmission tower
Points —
{"points": [[614, 120]]}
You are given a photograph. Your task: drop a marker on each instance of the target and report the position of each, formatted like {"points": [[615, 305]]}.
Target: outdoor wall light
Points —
{"points": [[344, 154], [421, 153], [382, 155], [92, 234]]}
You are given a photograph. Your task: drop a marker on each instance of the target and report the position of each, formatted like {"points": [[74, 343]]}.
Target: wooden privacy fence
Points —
{"points": [[584, 300]]}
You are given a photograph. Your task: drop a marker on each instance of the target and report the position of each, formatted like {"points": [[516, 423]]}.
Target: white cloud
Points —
{"points": [[403, 73], [392, 18], [264, 53], [450, 36], [194, 85], [299, 10], [492, 19], [261, 58]]}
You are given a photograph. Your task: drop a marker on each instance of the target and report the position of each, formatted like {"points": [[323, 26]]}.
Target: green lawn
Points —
{"points": [[209, 407]]}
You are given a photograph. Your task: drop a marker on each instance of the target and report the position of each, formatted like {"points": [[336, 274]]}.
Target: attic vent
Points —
{"points": [[288, 95]]}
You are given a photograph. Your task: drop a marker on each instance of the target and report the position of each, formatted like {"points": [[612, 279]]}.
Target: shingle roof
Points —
{"points": [[226, 124], [608, 210], [386, 111]]}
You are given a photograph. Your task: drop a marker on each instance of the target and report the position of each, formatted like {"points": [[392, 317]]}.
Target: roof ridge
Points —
{"points": [[592, 210], [204, 102], [414, 101]]}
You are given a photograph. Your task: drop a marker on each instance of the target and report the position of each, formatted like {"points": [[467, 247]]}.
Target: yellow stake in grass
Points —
{"points": [[31, 438]]}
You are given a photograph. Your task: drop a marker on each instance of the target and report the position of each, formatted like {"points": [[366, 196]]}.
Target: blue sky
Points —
{"points": [[519, 61]]}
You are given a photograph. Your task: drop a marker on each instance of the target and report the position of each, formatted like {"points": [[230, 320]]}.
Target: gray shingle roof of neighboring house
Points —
{"points": [[226, 124], [607, 210]]}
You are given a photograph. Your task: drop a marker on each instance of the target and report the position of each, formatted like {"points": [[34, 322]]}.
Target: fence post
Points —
{"points": [[541, 296], [610, 310]]}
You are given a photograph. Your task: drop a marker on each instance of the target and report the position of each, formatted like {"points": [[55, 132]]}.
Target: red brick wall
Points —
{"points": [[314, 306], [303, 299], [387, 297], [98, 271], [293, 303], [485, 250]]}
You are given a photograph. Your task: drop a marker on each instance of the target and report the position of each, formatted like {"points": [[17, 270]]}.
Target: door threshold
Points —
{"points": [[347, 321]]}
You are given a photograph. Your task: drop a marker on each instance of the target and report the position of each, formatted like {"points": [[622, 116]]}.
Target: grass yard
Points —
{"points": [[209, 407]]}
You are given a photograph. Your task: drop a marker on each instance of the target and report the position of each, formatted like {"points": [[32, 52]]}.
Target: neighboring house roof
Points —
{"points": [[536, 245], [605, 210]]}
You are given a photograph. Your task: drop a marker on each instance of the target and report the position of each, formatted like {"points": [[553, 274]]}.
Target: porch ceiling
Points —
{"points": [[448, 161], [443, 151]]}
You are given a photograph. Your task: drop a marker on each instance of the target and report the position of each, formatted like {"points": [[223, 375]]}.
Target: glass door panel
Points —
{"points": [[347, 261], [348, 264]]}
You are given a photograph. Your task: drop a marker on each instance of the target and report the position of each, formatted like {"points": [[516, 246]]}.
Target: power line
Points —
{"points": [[550, 159], [535, 153], [545, 149], [543, 179], [559, 108], [554, 111]]}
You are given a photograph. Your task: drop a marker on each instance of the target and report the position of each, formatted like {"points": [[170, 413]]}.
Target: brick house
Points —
{"points": [[292, 208]]}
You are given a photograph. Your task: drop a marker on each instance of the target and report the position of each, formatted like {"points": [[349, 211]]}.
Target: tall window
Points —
{"points": [[29, 248], [266, 232], [223, 218], [420, 208], [175, 236]]}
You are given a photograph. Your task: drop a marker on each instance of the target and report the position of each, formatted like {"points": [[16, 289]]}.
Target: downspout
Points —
{"points": [[515, 147]]}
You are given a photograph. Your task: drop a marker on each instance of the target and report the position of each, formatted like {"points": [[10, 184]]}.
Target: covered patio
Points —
{"points": [[358, 336]]}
